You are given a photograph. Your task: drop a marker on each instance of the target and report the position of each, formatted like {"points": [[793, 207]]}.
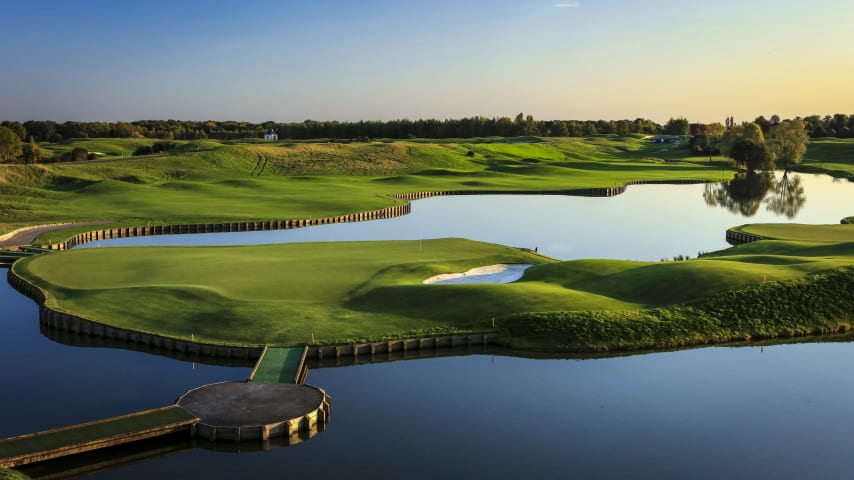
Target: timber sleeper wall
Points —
{"points": [[388, 212], [390, 346], [53, 320], [71, 323], [738, 238], [265, 225]]}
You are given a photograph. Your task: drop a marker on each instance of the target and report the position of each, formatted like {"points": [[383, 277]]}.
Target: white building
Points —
{"points": [[271, 135]]}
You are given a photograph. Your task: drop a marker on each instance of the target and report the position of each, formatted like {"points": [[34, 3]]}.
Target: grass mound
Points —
{"points": [[820, 303], [238, 180], [355, 291]]}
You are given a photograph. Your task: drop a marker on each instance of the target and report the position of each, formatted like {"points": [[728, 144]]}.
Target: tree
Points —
{"points": [[743, 194], [677, 126], [79, 154], [559, 129], [16, 127], [10, 145], [748, 131], [787, 198], [763, 123], [788, 141], [752, 154], [32, 152], [714, 134]]}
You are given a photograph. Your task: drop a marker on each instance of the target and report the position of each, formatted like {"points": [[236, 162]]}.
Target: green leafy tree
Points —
{"points": [[559, 129], [16, 127], [79, 154], [677, 126], [746, 131], [714, 134], [788, 141], [752, 154], [10, 145], [32, 152], [743, 194]]}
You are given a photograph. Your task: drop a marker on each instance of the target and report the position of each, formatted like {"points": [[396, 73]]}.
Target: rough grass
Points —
{"points": [[817, 304], [9, 474]]}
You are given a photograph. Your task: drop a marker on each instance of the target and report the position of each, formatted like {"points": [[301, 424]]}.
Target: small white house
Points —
{"points": [[271, 135]]}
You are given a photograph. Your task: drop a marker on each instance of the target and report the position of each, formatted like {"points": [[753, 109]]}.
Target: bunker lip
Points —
{"points": [[498, 273]]}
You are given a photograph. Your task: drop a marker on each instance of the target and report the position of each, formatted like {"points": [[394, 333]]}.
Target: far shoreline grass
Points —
{"points": [[251, 181]]}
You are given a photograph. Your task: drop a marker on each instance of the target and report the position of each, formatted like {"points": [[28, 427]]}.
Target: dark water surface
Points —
{"points": [[779, 411]]}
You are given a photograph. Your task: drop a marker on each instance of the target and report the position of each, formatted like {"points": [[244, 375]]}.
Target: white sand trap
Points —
{"points": [[501, 273]]}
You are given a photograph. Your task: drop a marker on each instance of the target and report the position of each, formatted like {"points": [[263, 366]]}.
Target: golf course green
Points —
{"points": [[796, 281], [342, 292]]}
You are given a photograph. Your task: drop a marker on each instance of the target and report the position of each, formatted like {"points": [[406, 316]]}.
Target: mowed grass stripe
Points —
{"points": [[84, 433], [279, 366]]}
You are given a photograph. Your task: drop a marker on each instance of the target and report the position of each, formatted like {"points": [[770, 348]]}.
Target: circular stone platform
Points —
{"points": [[249, 411]]}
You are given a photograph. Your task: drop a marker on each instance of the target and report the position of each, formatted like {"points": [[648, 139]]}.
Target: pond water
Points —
{"points": [[776, 411], [647, 222]]}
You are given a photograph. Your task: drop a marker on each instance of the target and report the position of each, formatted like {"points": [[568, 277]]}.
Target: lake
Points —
{"points": [[777, 411]]}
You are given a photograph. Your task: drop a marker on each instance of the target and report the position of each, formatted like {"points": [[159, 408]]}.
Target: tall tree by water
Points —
{"points": [[788, 141]]}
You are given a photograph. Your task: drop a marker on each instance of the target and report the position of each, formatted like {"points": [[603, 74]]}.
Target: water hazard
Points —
{"points": [[647, 222], [749, 412]]}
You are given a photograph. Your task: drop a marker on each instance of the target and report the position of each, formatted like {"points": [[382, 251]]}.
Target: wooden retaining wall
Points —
{"points": [[264, 225], [65, 322], [71, 323], [738, 238], [580, 192], [388, 212], [390, 346]]}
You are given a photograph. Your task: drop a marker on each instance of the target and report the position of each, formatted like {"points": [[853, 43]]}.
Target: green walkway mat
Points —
{"points": [[279, 365], [88, 432]]}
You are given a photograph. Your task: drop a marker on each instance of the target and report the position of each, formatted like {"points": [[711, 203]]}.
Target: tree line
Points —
{"points": [[469, 127]]}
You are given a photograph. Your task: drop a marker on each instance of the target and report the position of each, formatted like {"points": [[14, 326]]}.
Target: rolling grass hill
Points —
{"points": [[208, 181], [348, 291]]}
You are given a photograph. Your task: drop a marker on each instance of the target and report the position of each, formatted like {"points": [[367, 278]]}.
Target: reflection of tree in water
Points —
{"points": [[745, 192], [788, 197]]}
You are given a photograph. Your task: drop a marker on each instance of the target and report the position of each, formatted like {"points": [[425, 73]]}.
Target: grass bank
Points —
{"points": [[361, 291], [232, 181]]}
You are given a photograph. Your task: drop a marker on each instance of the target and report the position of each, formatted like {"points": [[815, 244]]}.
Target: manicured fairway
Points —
{"points": [[806, 233], [347, 291], [232, 181]]}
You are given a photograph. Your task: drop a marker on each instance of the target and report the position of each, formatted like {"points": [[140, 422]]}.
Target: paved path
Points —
{"points": [[26, 235]]}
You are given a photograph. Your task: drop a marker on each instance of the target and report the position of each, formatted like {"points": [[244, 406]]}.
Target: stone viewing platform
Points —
{"points": [[275, 404], [242, 411]]}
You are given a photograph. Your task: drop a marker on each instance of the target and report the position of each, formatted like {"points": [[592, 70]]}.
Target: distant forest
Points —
{"points": [[839, 125]]}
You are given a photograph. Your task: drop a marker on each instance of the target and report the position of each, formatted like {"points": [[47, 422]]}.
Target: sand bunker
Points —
{"points": [[501, 273]]}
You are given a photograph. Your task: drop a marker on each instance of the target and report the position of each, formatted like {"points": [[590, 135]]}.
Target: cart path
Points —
{"points": [[26, 235]]}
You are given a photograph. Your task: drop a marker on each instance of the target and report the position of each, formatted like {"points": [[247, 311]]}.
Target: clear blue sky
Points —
{"points": [[261, 60]]}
